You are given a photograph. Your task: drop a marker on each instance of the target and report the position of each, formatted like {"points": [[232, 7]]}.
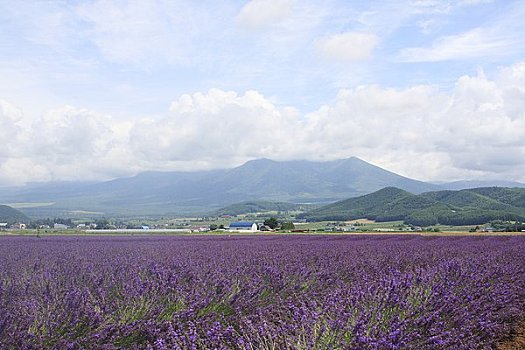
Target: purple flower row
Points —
{"points": [[260, 292]]}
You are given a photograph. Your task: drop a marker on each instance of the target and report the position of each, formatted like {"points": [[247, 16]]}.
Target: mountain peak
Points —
{"points": [[355, 159], [391, 189], [260, 161]]}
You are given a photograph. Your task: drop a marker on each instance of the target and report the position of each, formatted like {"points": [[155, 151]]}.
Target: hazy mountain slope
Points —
{"points": [[303, 180], [193, 192], [172, 193], [11, 215], [365, 178], [267, 179]]}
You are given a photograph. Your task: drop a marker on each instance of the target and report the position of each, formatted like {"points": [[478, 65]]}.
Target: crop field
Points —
{"points": [[260, 292]]}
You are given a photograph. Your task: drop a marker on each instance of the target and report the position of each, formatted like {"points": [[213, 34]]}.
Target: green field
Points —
{"points": [[23, 205]]}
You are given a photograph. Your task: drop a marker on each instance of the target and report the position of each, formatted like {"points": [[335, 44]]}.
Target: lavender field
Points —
{"points": [[266, 292]]}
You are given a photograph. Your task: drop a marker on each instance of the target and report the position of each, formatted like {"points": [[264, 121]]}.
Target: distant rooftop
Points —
{"points": [[241, 224]]}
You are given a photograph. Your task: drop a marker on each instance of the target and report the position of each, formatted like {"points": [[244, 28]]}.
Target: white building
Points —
{"points": [[243, 226]]}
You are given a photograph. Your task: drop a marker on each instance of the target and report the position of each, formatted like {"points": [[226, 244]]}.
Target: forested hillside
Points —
{"points": [[465, 207]]}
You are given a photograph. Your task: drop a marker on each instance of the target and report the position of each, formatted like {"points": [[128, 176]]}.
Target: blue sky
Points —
{"points": [[128, 86]]}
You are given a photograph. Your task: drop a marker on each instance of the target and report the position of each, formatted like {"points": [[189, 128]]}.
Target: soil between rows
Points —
{"points": [[517, 342]]}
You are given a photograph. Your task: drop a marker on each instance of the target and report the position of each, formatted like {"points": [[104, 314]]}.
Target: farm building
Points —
{"points": [[243, 226]]}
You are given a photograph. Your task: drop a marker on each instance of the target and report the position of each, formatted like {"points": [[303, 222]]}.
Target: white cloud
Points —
{"points": [[476, 131], [216, 128], [258, 14], [484, 129], [477, 42], [142, 33], [9, 112], [443, 7], [347, 47], [9, 128], [474, 2], [67, 143], [497, 36], [71, 132], [18, 171]]}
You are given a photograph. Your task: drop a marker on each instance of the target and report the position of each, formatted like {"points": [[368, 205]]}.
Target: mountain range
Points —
{"points": [[463, 207], [200, 192]]}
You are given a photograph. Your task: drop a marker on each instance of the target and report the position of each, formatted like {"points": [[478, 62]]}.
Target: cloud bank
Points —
{"points": [[475, 131]]}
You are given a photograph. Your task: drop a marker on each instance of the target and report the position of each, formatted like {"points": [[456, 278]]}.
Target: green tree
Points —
{"points": [[288, 225], [102, 224], [271, 223]]}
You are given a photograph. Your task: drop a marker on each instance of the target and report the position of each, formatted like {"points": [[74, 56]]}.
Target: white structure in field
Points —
{"points": [[243, 226]]}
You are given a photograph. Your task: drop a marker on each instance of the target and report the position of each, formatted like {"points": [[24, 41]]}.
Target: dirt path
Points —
{"points": [[516, 343]]}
